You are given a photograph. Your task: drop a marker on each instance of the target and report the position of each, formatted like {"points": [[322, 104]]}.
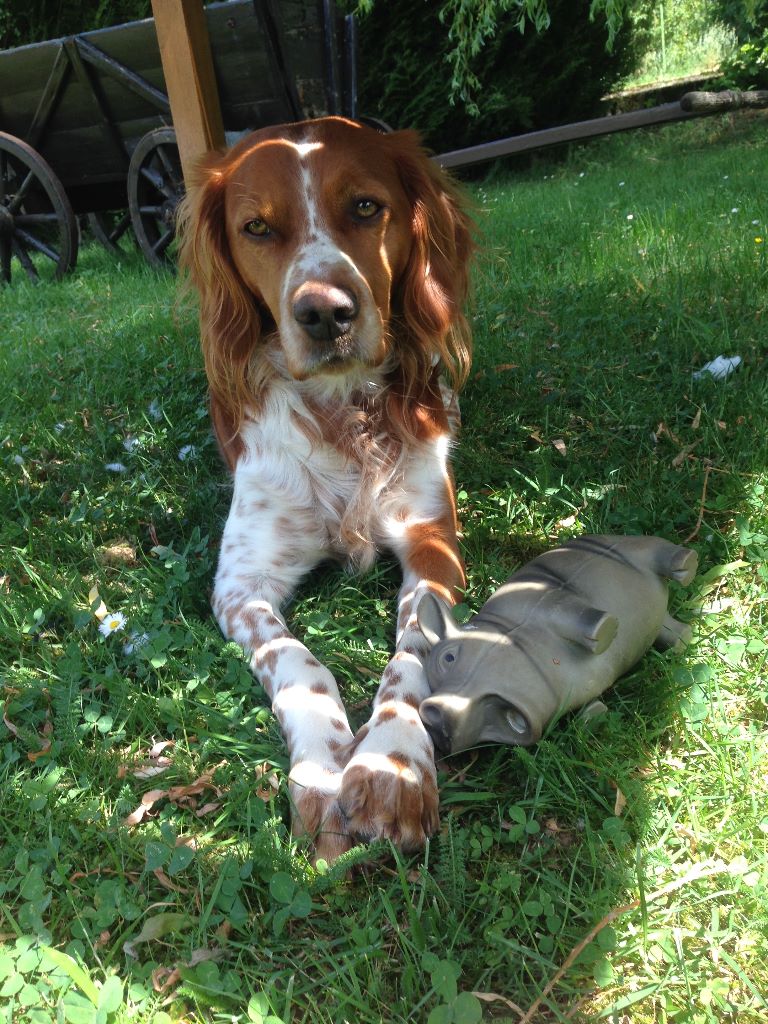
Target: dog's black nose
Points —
{"points": [[324, 311]]}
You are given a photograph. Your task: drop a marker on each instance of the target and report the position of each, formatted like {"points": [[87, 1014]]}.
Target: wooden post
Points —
{"points": [[185, 51]]}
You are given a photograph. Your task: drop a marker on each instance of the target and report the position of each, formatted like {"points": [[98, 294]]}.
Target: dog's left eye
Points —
{"points": [[257, 227], [364, 209]]}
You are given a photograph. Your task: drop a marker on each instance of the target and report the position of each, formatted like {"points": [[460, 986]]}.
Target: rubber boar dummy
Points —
{"points": [[552, 638]]}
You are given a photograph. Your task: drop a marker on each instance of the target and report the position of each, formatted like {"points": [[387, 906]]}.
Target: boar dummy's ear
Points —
{"points": [[435, 619]]}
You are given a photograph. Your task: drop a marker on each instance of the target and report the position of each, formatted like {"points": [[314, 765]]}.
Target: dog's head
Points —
{"points": [[325, 248]]}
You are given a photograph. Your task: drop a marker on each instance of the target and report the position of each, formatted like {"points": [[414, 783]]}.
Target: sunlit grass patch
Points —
{"points": [[144, 814]]}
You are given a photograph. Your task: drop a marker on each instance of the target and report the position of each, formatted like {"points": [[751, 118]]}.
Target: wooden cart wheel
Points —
{"points": [[113, 230], [155, 188], [38, 229]]}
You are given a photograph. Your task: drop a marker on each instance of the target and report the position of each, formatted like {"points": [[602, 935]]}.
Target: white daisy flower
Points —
{"points": [[111, 622]]}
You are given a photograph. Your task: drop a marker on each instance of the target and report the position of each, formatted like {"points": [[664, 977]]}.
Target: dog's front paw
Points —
{"points": [[316, 815], [391, 793]]}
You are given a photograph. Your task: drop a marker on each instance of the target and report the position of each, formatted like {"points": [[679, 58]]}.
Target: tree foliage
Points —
{"points": [[470, 26], [522, 80], [747, 17], [32, 21]]}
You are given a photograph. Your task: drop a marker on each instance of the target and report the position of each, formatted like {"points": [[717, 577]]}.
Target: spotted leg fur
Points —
{"points": [[389, 787], [380, 783], [255, 577]]}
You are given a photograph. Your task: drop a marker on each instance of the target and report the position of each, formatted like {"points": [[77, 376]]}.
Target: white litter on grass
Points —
{"points": [[187, 452], [719, 368], [116, 467], [136, 642]]}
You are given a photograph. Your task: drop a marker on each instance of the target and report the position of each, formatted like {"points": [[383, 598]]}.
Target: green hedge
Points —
{"points": [[748, 68], [528, 81], [33, 21], [748, 18]]}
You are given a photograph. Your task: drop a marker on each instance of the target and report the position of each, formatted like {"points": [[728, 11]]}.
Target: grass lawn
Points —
{"points": [[618, 870]]}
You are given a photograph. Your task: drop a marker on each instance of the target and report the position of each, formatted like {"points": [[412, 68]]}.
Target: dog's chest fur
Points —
{"points": [[332, 473]]}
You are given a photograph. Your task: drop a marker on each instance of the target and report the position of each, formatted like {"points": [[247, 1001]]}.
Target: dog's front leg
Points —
{"points": [[389, 786], [266, 549]]}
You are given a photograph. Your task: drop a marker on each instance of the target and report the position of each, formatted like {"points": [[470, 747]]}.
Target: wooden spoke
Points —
{"points": [[112, 229], [38, 230], [5, 259], [37, 244], [155, 188], [23, 257]]}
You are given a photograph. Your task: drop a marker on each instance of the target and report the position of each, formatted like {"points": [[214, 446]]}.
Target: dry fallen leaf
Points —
{"points": [[156, 928], [184, 796], [44, 738], [157, 748], [190, 841], [494, 997], [132, 876], [165, 881], [153, 762], [683, 454], [151, 770], [563, 837], [94, 598], [6, 720], [147, 803], [267, 783], [208, 809], [165, 978]]}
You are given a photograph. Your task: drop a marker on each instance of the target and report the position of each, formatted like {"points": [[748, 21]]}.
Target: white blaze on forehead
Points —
{"points": [[303, 148], [318, 250]]}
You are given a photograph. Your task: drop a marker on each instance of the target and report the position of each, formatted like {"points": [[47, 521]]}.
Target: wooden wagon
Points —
{"points": [[86, 131]]}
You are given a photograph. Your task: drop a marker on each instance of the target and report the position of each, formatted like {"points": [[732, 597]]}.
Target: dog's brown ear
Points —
{"points": [[435, 284], [230, 325]]}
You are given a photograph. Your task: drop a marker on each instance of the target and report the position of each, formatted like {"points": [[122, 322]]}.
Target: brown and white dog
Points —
{"points": [[331, 265]]}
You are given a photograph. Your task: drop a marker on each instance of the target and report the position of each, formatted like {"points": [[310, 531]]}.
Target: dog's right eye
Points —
{"points": [[258, 228]]}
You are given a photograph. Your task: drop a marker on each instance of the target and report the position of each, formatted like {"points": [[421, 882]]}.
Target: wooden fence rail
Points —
{"points": [[692, 104]]}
